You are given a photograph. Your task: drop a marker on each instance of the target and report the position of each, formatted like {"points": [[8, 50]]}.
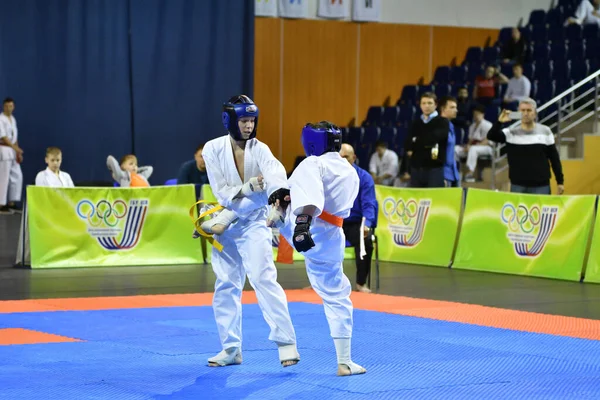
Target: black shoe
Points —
{"points": [[6, 210]]}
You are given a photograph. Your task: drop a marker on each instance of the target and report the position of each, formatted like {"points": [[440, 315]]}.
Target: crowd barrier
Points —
{"points": [[547, 236], [80, 227]]}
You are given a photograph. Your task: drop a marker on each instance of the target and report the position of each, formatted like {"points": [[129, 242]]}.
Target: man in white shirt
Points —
{"points": [[383, 165], [586, 13], [53, 176], [11, 156], [519, 88], [478, 144]]}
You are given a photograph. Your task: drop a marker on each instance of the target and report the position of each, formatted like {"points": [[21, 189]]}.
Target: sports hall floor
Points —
{"points": [[430, 333]]}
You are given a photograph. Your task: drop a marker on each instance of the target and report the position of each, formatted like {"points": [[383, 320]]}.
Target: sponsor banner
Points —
{"points": [[293, 8], [84, 227], [522, 234], [265, 8], [334, 9], [592, 272], [417, 225], [366, 10]]}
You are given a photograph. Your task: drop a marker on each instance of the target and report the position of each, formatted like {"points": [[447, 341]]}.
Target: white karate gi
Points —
{"points": [[331, 184], [49, 178], [247, 242], [11, 177], [43, 178]]}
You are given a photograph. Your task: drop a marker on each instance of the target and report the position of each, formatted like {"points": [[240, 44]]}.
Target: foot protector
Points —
{"points": [[350, 368], [288, 355], [226, 357]]}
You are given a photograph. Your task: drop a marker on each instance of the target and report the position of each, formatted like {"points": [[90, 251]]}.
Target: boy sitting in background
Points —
{"points": [[127, 173], [52, 176]]}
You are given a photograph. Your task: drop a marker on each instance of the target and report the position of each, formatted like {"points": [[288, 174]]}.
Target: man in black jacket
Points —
{"points": [[426, 144], [529, 147]]}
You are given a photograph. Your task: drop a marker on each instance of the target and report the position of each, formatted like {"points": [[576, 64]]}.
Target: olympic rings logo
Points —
{"points": [[399, 211], [521, 217], [103, 211]]}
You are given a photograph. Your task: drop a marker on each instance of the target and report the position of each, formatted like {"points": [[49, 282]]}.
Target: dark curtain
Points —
{"points": [[65, 63], [188, 57], [99, 77]]}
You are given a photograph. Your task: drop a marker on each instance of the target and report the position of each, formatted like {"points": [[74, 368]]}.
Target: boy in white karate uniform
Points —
{"points": [[236, 164], [310, 215], [52, 175]]}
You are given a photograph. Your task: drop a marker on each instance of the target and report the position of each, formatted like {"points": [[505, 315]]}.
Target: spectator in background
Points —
{"points": [[513, 51], [52, 176], [588, 12], [426, 144], [478, 144], [519, 88], [484, 91], [449, 110], [193, 171], [465, 106], [383, 165], [529, 147], [11, 157], [362, 219], [127, 173]]}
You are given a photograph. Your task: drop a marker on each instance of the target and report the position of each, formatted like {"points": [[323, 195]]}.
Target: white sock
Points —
{"points": [[342, 349]]}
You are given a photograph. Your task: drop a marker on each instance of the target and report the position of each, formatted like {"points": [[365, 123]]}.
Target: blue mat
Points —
{"points": [[160, 353]]}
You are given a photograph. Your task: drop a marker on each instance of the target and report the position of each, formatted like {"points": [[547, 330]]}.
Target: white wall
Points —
{"points": [[467, 13]]}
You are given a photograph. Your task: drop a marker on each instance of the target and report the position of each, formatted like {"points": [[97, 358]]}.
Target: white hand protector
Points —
{"points": [[276, 218], [254, 185]]}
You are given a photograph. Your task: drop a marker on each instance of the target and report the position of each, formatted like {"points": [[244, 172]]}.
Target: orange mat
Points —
{"points": [[10, 336], [433, 309]]}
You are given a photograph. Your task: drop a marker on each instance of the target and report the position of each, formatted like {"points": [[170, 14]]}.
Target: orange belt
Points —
{"points": [[332, 219]]}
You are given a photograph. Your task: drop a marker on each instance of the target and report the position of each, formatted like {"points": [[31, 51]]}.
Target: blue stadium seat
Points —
{"points": [[355, 135], [529, 70], [556, 34], [363, 152], [473, 71], [171, 182], [580, 69], [442, 75], [407, 113], [592, 49], [473, 55], [539, 34], [541, 51], [398, 144], [370, 135], [590, 31], [561, 73], [537, 17], [506, 69], [505, 34], [443, 90], [576, 50], [491, 113], [555, 19], [546, 91], [390, 116], [458, 74], [574, 32], [543, 70], [558, 51], [426, 88], [491, 55], [388, 135], [534, 89], [373, 116], [409, 95]]}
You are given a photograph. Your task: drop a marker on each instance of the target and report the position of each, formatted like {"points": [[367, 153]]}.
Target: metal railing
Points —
{"points": [[568, 105]]}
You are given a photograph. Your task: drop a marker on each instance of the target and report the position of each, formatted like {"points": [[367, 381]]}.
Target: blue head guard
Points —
{"points": [[239, 107], [321, 138]]}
